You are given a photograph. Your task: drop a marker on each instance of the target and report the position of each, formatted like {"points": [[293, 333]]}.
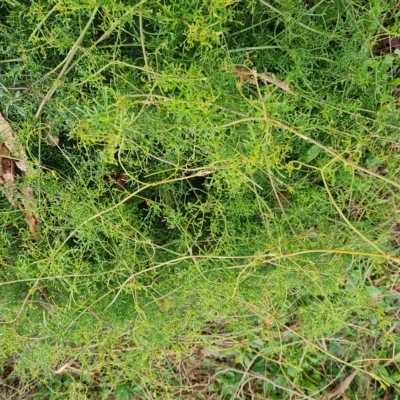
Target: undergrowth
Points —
{"points": [[217, 189]]}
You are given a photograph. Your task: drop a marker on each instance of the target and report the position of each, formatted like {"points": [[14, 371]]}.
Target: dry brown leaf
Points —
{"points": [[8, 178], [9, 140], [275, 81], [391, 42], [342, 387], [253, 75], [29, 203], [11, 156], [7, 173], [245, 75], [21, 166], [118, 179]]}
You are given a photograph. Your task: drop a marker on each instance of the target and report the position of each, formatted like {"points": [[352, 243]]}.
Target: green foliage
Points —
{"points": [[249, 248]]}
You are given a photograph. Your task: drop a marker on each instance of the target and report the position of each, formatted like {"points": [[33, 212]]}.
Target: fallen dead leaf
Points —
{"points": [[12, 156], [245, 75], [252, 76], [118, 179], [391, 42], [342, 387], [21, 166], [284, 86]]}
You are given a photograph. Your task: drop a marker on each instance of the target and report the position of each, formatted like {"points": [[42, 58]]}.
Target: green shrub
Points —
{"points": [[249, 245]]}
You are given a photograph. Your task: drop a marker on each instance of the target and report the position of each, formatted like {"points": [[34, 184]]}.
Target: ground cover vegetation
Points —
{"points": [[214, 197]]}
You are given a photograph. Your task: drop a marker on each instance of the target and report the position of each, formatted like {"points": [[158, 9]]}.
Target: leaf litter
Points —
{"points": [[13, 160]]}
